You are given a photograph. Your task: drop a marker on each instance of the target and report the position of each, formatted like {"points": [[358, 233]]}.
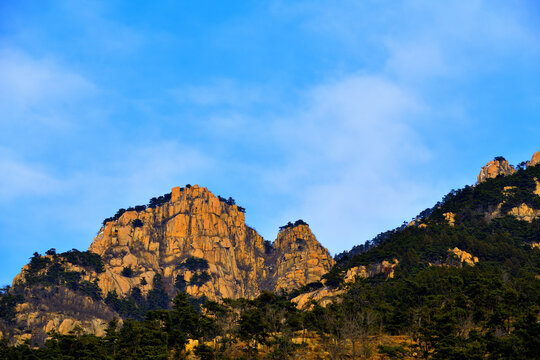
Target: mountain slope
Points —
{"points": [[186, 241]]}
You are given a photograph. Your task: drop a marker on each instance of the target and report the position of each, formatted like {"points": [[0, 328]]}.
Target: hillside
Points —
{"points": [[186, 241], [461, 281]]}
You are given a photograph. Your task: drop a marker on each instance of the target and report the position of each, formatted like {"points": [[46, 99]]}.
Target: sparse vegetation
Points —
{"points": [[127, 271], [199, 279], [486, 311], [194, 264], [137, 223], [290, 225]]}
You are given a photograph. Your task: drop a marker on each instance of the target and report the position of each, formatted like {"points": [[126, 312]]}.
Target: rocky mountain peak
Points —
{"points": [[498, 166], [302, 258], [188, 240], [192, 223]]}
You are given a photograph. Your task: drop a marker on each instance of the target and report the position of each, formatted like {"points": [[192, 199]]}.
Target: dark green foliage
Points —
{"points": [[37, 263], [486, 311], [139, 208], [8, 303], [312, 286], [204, 352], [290, 225], [90, 289], [153, 203], [230, 201], [393, 352], [158, 298], [86, 259], [127, 271], [163, 199], [180, 283], [137, 223], [194, 264], [135, 305], [334, 278], [253, 325], [199, 279]]}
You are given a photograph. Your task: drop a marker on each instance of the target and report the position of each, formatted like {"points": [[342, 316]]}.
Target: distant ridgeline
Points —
{"points": [[460, 281]]}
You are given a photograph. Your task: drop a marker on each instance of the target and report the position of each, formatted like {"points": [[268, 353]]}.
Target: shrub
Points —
{"points": [[180, 283], [199, 279], [86, 259], [193, 264], [127, 271], [290, 225], [137, 223]]}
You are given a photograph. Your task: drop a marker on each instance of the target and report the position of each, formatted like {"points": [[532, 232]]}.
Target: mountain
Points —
{"points": [[188, 240], [461, 281]]}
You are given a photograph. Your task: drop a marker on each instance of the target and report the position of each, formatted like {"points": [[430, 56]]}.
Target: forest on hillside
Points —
{"points": [[432, 307]]}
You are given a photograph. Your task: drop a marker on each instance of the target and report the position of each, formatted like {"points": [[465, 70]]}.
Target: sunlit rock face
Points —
{"points": [[301, 259], [192, 241], [535, 160], [196, 223], [499, 166]]}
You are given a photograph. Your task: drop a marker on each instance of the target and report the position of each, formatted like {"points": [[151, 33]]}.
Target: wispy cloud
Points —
{"points": [[22, 179], [349, 152], [38, 91]]}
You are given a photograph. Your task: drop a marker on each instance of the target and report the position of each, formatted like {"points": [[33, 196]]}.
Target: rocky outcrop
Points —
{"points": [[321, 297], [450, 217], [326, 295], [188, 240], [197, 224], [521, 212], [463, 257], [535, 160], [193, 224], [190, 233], [494, 168], [300, 259], [524, 212], [60, 310]]}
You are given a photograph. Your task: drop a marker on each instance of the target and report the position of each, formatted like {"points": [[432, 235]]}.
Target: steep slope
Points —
{"points": [[300, 258], [496, 219], [193, 224], [188, 240]]}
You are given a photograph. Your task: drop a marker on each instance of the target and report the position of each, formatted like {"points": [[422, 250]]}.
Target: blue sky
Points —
{"points": [[352, 115]]}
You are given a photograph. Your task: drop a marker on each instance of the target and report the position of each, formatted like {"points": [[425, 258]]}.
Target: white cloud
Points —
{"points": [[351, 151], [38, 91], [23, 179]]}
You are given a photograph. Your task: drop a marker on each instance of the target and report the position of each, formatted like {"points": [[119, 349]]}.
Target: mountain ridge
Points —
{"points": [[475, 253]]}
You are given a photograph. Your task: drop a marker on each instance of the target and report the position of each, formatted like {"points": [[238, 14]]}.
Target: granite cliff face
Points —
{"points": [[193, 224], [197, 224], [492, 169], [190, 240], [300, 258]]}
